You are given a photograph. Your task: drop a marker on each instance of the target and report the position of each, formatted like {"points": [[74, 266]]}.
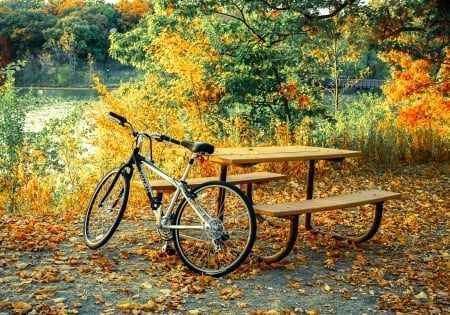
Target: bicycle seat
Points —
{"points": [[198, 147]]}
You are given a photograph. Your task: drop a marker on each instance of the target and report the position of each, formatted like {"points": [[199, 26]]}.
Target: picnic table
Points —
{"points": [[247, 156]]}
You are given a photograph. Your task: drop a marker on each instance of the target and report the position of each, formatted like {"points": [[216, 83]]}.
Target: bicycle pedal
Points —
{"points": [[164, 247]]}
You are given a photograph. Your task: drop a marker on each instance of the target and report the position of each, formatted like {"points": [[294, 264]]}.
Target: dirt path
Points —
{"points": [[45, 268]]}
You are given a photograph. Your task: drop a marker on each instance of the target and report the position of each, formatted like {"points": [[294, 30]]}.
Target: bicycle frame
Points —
{"points": [[181, 187]]}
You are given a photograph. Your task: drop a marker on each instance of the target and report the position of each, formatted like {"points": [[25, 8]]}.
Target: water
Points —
{"points": [[55, 103], [63, 93]]}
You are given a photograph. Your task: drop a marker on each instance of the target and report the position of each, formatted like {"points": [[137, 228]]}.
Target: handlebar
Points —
{"points": [[197, 147], [122, 119], [158, 137]]}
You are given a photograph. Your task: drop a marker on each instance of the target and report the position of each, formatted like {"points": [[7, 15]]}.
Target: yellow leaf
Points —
{"points": [[290, 266], [313, 312], [124, 306], [22, 307], [99, 298], [146, 285], [421, 296], [327, 288], [302, 259], [59, 300], [5, 304]]}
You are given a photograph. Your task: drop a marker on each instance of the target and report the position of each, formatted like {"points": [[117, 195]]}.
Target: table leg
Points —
{"points": [[309, 192], [222, 177], [223, 172]]}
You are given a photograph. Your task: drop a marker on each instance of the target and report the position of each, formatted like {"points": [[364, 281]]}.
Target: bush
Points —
{"points": [[64, 76]]}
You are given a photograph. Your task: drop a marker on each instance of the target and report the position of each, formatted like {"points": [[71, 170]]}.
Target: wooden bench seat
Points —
{"points": [[291, 211], [238, 179], [325, 204]]}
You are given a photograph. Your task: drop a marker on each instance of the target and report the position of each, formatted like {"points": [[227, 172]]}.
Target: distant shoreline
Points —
{"points": [[62, 88]]}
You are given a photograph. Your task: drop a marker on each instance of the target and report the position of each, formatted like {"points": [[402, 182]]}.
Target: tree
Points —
{"points": [[24, 29], [255, 75], [421, 94], [415, 36], [130, 13], [6, 51], [22, 4], [419, 28], [333, 51], [177, 60], [67, 6], [89, 28]]}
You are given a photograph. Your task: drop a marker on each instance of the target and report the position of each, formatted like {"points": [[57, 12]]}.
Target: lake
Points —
{"points": [[72, 93], [55, 103]]}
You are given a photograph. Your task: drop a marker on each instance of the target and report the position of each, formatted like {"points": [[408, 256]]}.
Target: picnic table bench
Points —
{"points": [[292, 210], [247, 156], [238, 179]]}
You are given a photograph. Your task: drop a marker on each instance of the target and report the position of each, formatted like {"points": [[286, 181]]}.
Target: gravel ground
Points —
{"points": [[45, 267], [71, 279]]}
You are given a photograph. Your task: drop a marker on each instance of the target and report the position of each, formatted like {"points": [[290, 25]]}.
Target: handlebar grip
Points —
{"points": [[122, 119]]}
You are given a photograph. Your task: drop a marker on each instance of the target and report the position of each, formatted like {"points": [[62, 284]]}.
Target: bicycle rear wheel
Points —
{"points": [[106, 208], [222, 243]]}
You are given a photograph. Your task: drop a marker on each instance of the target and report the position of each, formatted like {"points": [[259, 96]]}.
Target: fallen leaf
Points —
{"points": [[290, 266], [421, 296], [22, 307]]}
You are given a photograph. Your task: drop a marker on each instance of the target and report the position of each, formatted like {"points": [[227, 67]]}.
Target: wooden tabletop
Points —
{"points": [[254, 155]]}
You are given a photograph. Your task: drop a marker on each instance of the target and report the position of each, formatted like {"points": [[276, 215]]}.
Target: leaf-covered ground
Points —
{"points": [[45, 268]]}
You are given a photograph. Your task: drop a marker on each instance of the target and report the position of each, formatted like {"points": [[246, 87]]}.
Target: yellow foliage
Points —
{"points": [[422, 97], [70, 4]]}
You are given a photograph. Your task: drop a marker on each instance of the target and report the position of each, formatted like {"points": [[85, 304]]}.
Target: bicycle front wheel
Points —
{"points": [[220, 242], [106, 208]]}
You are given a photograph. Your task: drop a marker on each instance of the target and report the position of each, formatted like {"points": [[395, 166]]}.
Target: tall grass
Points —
{"points": [[370, 125]]}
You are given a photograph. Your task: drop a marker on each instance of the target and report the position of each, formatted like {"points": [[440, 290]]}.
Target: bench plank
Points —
{"points": [[290, 212], [325, 204], [248, 178]]}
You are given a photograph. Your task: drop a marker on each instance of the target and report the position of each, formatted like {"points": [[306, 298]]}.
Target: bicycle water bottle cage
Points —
{"points": [[198, 147]]}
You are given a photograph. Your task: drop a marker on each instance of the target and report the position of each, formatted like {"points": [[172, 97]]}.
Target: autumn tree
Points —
{"points": [[419, 28], [70, 5], [177, 59], [256, 76], [415, 36], [130, 13], [420, 92]]}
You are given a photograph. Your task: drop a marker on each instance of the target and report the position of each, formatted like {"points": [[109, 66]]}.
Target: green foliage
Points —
{"points": [[89, 26], [64, 76], [369, 125], [25, 28], [38, 169], [12, 137]]}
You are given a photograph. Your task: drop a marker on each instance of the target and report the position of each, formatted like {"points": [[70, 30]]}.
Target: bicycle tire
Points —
{"points": [[103, 218], [228, 237]]}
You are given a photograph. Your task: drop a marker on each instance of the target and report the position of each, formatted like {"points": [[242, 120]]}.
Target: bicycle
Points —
{"points": [[213, 227]]}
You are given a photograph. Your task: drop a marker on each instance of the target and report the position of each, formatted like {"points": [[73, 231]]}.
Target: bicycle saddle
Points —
{"points": [[198, 147]]}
